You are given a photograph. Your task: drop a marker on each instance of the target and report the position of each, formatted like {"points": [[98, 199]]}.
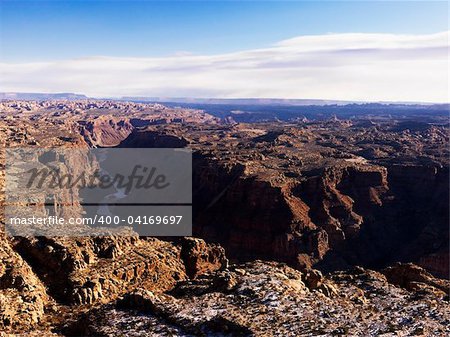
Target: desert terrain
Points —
{"points": [[326, 221]]}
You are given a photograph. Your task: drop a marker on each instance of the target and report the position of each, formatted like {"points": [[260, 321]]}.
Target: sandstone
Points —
{"points": [[199, 258], [269, 299], [318, 196], [413, 277], [23, 298]]}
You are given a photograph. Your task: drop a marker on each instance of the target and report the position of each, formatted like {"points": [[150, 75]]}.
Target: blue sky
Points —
{"points": [[360, 50], [41, 30]]}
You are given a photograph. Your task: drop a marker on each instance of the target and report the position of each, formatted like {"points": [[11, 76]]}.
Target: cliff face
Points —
{"points": [[277, 217], [402, 212], [105, 130], [250, 216], [422, 209], [152, 139], [340, 216]]}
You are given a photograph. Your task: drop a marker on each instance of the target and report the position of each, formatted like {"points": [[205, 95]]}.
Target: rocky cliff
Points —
{"points": [[45, 281], [335, 218]]}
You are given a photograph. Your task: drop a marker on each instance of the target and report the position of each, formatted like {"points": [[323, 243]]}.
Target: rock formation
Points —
{"points": [[260, 299], [299, 228]]}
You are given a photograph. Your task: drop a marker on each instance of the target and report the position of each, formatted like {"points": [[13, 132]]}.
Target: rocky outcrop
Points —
{"points": [[260, 299], [415, 278], [23, 298], [199, 258], [79, 272], [86, 270]]}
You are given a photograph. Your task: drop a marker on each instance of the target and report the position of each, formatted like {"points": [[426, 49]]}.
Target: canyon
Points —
{"points": [[332, 218]]}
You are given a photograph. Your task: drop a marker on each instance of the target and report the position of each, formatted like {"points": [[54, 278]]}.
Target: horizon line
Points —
{"points": [[173, 99]]}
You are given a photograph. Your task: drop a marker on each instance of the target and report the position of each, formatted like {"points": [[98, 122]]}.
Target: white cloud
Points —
{"points": [[333, 66]]}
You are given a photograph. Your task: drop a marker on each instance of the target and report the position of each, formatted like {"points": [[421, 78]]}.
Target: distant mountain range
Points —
{"points": [[187, 100], [40, 96]]}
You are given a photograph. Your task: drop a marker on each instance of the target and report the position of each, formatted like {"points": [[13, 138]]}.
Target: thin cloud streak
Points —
{"points": [[366, 67]]}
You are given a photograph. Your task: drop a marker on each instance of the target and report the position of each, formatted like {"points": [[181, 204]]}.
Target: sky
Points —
{"points": [[357, 50]]}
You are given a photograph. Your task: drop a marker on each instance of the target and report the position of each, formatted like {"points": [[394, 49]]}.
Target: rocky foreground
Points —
{"points": [[268, 299], [147, 287], [365, 201]]}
